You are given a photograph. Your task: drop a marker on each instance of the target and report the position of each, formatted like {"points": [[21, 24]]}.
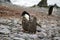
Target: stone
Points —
{"points": [[4, 1], [4, 29], [42, 3], [16, 38], [56, 38]]}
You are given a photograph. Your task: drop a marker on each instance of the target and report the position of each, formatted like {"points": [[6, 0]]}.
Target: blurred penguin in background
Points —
{"points": [[50, 10]]}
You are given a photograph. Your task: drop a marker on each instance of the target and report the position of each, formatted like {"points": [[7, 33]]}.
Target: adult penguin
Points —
{"points": [[50, 10]]}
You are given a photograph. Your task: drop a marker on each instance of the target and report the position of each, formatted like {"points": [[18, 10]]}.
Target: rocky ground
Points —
{"points": [[11, 29]]}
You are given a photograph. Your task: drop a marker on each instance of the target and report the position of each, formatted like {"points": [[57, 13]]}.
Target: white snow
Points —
{"points": [[29, 3]]}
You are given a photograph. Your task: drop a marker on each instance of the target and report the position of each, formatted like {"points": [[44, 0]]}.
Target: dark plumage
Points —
{"points": [[32, 24], [25, 24], [50, 10], [29, 25], [24, 12]]}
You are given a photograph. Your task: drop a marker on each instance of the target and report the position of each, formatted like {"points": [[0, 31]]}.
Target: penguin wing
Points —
{"points": [[38, 24]]}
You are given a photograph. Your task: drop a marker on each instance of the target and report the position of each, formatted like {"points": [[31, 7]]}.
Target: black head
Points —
{"points": [[24, 12]]}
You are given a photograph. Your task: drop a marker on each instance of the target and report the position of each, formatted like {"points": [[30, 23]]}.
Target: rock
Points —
{"points": [[42, 3], [6, 38], [11, 36], [14, 21], [27, 36], [41, 35], [4, 26], [2, 20], [4, 29], [5, 1], [8, 21], [38, 29], [56, 38], [33, 36], [16, 38]]}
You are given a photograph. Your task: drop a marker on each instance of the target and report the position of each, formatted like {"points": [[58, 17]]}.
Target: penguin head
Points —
{"points": [[26, 15]]}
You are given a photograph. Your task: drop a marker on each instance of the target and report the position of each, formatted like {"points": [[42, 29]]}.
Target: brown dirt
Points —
{"points": [[6, 11]]}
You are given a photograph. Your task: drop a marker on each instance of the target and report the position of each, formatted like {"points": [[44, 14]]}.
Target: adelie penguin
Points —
{"points": [[29, 23]]}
